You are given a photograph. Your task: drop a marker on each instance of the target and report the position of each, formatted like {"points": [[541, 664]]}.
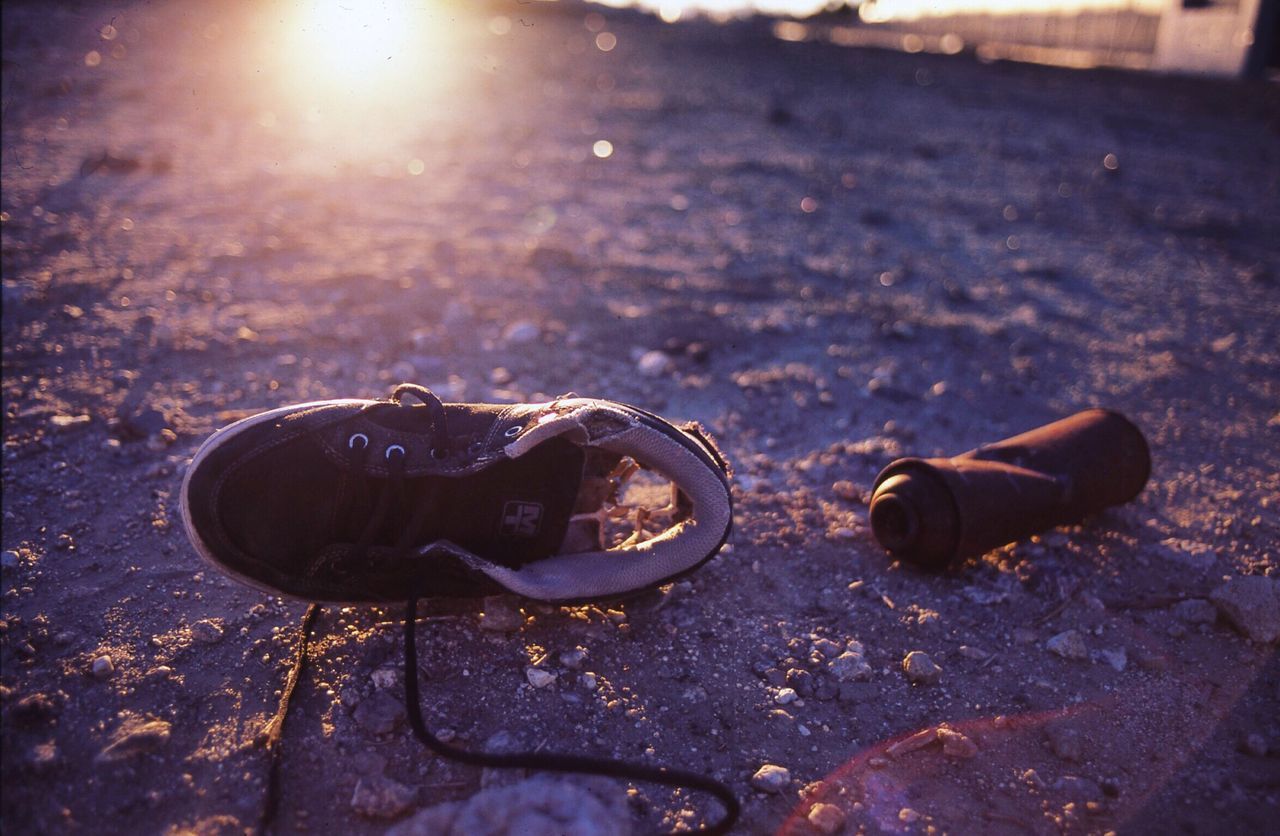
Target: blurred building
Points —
{"points": [[1210, 37]]}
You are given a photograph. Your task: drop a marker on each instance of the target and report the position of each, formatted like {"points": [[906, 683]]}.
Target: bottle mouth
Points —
{"points": [[894, 522]]}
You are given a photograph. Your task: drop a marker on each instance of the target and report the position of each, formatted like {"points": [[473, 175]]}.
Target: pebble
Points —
{"points": [[970, 652], [35, 708], [207, 631], [908, 816], [826, 818], [846, 490], [771, 778], [538, 806], [956, 744], [843, 533], [379, 714], [521, 332], [574, 659], [68, 422], [103, 667], [801, 680], [539, 678], [654, 364], [1117, 658], [849, 667], [1065, 741], [9, 559], [501, 376], [135, 737], [919, 740], [1252, 604], [382, 798], [1069, 645], [43, 757], [1195, 611], [826, 648], [501, 615], [786, 696], [385, 677], [920, 669]]}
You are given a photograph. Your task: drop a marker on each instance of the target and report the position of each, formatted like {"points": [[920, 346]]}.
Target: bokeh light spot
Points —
{"points": [[606, 41], [602, 148], [416, 166], [92, 58], [808, 205]]}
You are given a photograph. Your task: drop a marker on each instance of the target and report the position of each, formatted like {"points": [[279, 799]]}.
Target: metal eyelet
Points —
{"points": [[438, 455], [361, 437], [512, 432], [395, 447]]}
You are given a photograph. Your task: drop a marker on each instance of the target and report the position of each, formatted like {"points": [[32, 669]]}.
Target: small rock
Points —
{"points": [[920, 669], [539, 806], [521, 332], [135, 737], [919, 740], [35, 708], [771, 778], [1069, 645], [956, 744], [69, 422], [849, 667], [826, 818], [826, 647], [102, 667], [500, 615], [654, 364], [382, 798], [501, 376], [843, 533], [786, 696], [1117, 658], [207, 631], [539, 678], [1195, 611], [1252, 604], [847, 491], [801, 680], [1065, 741], [380, 714], [9, 559], [385, 678], [43, 757], [970, 652], [908, 816], [573, 659]]}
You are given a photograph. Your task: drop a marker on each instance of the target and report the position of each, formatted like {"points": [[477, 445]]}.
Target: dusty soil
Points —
{"points": [[847, 255]]}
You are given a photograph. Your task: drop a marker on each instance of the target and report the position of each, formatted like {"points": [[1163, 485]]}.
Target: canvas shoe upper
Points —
{"points": [[383, 500]]}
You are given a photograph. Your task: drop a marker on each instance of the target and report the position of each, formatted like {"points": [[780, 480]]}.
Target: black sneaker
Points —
{"points": [[384, 500]]}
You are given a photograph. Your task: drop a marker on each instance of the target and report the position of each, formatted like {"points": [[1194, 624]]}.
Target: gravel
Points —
{"points": [[771, 778]]}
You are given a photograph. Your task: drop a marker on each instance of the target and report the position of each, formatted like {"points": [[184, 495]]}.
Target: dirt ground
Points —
{"points": [[842, 255]]}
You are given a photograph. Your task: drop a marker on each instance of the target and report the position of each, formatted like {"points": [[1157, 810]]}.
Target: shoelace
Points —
{"points": [[546, 762]]}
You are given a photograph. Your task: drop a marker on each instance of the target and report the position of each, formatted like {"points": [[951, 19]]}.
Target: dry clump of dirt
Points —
{"points": [[927, 253]]}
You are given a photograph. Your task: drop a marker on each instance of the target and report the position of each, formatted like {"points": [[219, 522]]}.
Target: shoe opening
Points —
{"points": [[621, 504]]}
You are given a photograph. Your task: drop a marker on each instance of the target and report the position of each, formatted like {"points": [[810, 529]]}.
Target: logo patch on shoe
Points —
{"points": [[521, 519]]}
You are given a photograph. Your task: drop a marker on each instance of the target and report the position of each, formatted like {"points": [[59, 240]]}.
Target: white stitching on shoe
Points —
{"points": [[364, 441]]}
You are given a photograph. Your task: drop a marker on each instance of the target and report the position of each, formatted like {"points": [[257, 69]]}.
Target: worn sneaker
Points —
{"points": [[385, 500]]}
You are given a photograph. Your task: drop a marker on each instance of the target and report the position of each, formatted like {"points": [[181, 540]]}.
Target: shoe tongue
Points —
{"points": [[464, 420]]}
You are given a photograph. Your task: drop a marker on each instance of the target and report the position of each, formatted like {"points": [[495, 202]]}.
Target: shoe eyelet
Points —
{"points": [[512, 432], [361, 437], [394, 447], [438, 455]]}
